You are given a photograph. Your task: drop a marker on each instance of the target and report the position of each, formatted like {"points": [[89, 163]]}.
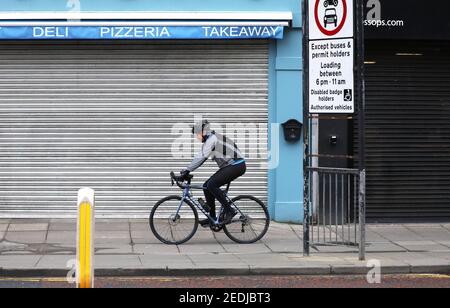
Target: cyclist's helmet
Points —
{"points": [[200, 127]]}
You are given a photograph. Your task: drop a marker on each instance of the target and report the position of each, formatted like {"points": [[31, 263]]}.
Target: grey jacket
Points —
{"points": [[220, 148]]}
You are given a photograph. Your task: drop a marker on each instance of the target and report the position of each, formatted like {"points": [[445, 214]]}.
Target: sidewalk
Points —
{"points": [[127, 247]]}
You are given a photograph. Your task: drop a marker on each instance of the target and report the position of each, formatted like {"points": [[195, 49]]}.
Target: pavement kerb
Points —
{"points": [[312, 271]]}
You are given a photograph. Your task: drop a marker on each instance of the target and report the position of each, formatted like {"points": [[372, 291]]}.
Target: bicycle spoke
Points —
{"points": [[170, 227], [251, 223]]}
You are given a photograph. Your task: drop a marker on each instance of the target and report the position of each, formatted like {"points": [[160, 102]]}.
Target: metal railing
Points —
{"points": [[336, 208]]}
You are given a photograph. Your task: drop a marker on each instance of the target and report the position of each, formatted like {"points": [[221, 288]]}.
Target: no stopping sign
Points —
{"points": [[330, 19]]}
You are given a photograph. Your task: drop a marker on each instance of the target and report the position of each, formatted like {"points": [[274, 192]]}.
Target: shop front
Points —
{"points": [[102, 94], [407, 91], [408, 111], [408, 102]]}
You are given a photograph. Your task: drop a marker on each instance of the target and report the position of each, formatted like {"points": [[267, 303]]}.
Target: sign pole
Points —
{"points": [[361, 126], [306, 129]]}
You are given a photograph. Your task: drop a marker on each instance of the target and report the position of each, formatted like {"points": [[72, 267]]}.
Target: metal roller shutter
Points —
{"points": [[408, 131], [102, 115]]}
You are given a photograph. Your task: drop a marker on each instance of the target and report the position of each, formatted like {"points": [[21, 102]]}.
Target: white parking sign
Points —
{"points": [[331, 56], [331, 76]]}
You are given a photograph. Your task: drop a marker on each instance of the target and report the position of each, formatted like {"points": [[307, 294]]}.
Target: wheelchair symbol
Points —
{"points": [[348, 95]]}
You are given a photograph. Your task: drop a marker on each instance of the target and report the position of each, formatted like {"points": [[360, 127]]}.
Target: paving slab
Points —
{"points": [[219, 237], [207, 235], [3, 227], [282, 235], [59, 226], [139, 226], [30, 220], [165, 262], [440, 255], [63, 220], [328, 259], [242, 249], [222, 261], [372, 236], [13, 253], [11, 248], [282, 226], [384, 247], [201, 247], [8, 247], [55, 262], [427, 262], [334, 249], [422, 246], [284, 246], [112, 225], [155, 249], [396, 256], [21, 227], [26, 237], [432, 233], [298, 230], [267, 260], [389, 264], [139, 220], [444, 243], [395, 233], [143, 237], [417, 226], [281, 264], [118, 262], [62, 237], [112, 236], [19, 261], [113, 249], [210, 240]]}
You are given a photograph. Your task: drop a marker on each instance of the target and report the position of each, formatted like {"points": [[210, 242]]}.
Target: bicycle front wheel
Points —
{"points": [[172, 228], [251, 223]]}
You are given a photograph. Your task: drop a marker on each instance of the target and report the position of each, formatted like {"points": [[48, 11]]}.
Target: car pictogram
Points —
{"points": [[330, 17]]}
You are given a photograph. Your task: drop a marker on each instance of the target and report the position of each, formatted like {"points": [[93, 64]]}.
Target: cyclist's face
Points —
{"points": [[200, 137]]}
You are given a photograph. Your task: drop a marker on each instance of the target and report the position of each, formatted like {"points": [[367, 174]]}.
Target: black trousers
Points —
{"points": [[220, 178]]}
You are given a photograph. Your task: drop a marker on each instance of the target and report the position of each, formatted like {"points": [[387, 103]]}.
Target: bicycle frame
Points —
{"points": [[188, 196]]}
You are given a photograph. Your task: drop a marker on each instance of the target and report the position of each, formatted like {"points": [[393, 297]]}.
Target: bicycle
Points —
{"points": [[174, 219]]}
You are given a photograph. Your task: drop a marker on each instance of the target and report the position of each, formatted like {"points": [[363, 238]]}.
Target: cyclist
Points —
{"points": [[231, 164]]}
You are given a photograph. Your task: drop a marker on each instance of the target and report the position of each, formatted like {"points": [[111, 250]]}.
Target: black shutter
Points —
{"points": [[408, 130]]}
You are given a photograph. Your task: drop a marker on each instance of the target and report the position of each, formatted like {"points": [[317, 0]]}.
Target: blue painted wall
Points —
{"points": [[285, 94], [286, 181]]}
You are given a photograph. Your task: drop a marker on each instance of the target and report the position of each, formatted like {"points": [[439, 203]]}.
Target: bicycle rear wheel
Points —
{"points": [[251, 223], [170, 228]]}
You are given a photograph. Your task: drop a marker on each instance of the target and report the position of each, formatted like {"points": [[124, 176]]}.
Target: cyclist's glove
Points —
{"points": [[184, 174]]}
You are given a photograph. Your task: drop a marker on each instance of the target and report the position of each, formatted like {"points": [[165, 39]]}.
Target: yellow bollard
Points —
{"points": [[85, 238]]}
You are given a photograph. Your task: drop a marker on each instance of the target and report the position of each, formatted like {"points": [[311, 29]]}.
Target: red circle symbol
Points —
{"points": [[319, 24]]}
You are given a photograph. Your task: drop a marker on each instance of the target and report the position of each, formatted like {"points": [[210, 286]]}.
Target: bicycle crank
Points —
{"points": [[216, 228]]}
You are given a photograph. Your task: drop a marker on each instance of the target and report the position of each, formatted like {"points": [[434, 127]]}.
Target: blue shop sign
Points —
{"points": [[139, 32]]}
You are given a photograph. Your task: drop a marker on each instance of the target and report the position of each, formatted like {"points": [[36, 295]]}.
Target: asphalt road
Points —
{"points": [[388, 281]]}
